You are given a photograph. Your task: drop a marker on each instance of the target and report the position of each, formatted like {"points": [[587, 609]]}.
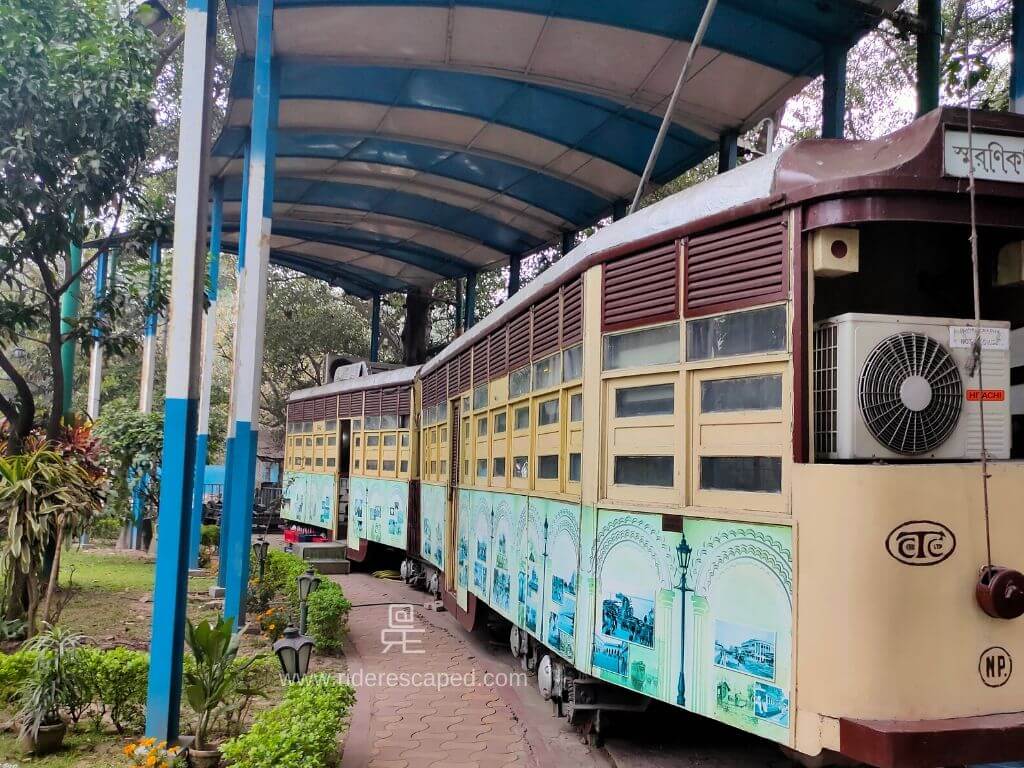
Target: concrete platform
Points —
{"points": [[326, 557]]}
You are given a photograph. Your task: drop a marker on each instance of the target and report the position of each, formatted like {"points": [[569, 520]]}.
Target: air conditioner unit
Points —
{"points": [[894, 387]]}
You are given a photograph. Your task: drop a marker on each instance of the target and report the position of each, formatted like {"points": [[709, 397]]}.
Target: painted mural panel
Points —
{"points": [[309, 499], [464, 515], [509, 520], [587, 588], [561, 584], [480, 545], [380, 511], [739, 625], [530, 577], [736, 642], [433, 504]]}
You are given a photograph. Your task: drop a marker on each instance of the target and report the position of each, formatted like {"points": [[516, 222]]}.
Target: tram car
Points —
{"points": [[747, 451]]}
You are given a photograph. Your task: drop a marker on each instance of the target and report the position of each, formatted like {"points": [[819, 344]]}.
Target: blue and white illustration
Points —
{"points": [[309, 499], [745, 649], [433, 502], [562, 537]]}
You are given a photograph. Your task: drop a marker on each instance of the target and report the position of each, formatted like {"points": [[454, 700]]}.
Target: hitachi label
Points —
{"points": [[988, 395], [963, 336]]}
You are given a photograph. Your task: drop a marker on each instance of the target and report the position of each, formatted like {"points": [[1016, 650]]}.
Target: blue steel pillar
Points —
{"points": [[375, 328], [833, 99], [929, 43], [206, 380], [229, 441], [170, 591], [69, 304], [252, 294], [515, 265], [728, 147], [568, 242], [1017, 56], [470, 300], [92, 400]]}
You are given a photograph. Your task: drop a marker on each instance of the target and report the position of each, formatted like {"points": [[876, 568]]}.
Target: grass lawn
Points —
{"points": [[81, 750]]}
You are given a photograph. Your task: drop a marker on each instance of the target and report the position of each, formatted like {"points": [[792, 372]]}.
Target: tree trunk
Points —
{"points": [[414, 333], [51, 586]]}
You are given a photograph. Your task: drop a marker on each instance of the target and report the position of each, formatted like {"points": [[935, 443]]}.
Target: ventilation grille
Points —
{"points": [[519, 342], [572, 313], [735, 267], [331, 408], [404, 401], [344, 404], [372, 403], [641, 289], [307, 410], [826, 390], [480, 363], [464, 370], [319, 407], [356, 409], [453, 378], [545, 327], [497, 353], [295, 412], [389, 401], [910, 393]]}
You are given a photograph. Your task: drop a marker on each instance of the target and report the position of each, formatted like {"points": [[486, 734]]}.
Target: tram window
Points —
{"points": [[519, 382], [739, 333], [576, 407], [319, 440], [332, 440], [757, 474], [390, 440], [480, 397], [572, 363], [389, 421], [371, 465], [523, 418], [636, 349], [547, 467], [498, 469], [481, 467], [373, 422], [653, 400], [444, 467], [372, 440], [465, 403], [358, 440], [319, 462], [465, 469], [308, 462], [405, 439], [499, 423], [645, 470], [521, 467], [746, 393], [331, 462], [357, 464], [481, 427], [330, 426], [433, 467], [309, 442], [575, 467], [547, 413], [357, 425], [403, 466], [389, 465], [403, 422], [546, 372]]}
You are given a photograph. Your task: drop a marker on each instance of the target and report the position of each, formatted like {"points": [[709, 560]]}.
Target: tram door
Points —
{"points": [[452, 520], [344, 456]]}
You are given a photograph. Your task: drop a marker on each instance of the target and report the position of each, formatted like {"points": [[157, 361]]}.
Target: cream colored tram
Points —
{"points": [[726, 453]]}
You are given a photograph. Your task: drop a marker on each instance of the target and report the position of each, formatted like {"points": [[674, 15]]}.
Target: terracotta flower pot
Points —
{"points": [[49, 739], [204, 758]]}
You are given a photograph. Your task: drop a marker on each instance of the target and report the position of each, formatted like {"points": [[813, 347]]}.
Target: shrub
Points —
{"points": [[209, 535], [120, 678], [15, 668], [282, 575], [300, 732], [328, 613], [106, 528]]}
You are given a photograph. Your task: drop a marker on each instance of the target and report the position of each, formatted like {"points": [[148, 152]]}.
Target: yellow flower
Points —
{"points": [[129, 749], [272, 626], [148, 742], [151, 760]]}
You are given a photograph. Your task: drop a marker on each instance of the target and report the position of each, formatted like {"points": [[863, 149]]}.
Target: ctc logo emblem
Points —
{"points": [[920, 542], [995, 666]]}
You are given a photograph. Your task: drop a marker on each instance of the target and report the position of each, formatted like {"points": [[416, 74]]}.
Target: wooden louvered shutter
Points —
{"points": [[344, 404], [319, 407], [572, 313], [641, 289], [464, 371], [372, 403], [480, 363], [404, 401], [307, 410], [497, 353], [356, 409], [331, 407], [736, 267], [294, 411], [389, 402], [546, 317], [519, 342]]}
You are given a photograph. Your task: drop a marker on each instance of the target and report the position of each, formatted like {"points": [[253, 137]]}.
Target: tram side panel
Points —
{"points": [[380, 512]]}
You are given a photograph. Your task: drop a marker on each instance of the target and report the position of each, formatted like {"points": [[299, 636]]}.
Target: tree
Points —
{"points": [[75, 81]]}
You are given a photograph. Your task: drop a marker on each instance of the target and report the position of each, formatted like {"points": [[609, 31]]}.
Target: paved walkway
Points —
{"points": [[454, 708]]}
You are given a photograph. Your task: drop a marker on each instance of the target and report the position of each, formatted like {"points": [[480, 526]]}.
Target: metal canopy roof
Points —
{"points": [[421, 140]]}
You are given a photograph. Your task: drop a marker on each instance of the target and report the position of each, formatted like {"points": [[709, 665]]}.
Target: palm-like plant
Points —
{"points": [[47, 687], [209, 684]]}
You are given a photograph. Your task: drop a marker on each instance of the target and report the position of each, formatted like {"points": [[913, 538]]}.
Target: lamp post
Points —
{"points": [[308, 583], [293, 651], [683, 552], [545, 537], [260, 547]]}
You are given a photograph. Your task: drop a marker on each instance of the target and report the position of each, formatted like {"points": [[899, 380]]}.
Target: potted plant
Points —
{"points": [[42, 727], [209, 683]]}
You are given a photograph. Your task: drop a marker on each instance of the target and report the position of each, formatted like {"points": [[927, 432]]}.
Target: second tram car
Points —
{"points": [[725, 453]]}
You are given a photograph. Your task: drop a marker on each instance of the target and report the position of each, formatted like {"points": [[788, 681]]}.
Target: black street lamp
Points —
{"points": [[260, 548], [545, 537], [293, 651], [308, 583], [683, 552]]}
